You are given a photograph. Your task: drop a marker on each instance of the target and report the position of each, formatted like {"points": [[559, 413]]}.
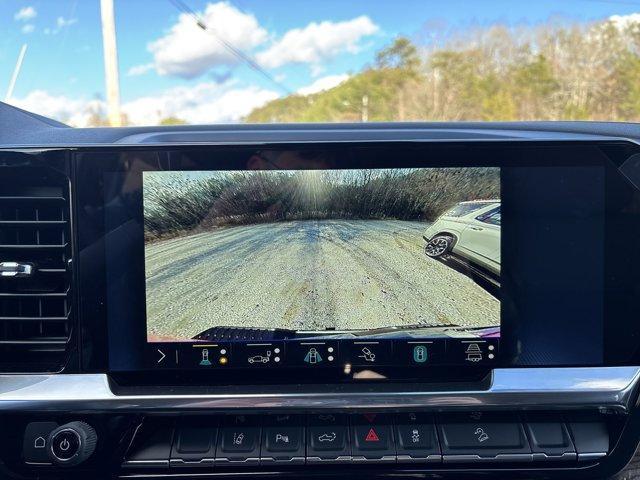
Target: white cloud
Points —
{"points": [[62, 22], [324, 83], [74, 111], [25, 13], [203, 103], [625, 21], [207, 102], [28, 28], [139, 69], [318, 42], [188, 51]]}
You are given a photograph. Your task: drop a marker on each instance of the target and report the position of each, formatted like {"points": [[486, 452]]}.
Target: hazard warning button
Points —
{"points": [[372, 437]]}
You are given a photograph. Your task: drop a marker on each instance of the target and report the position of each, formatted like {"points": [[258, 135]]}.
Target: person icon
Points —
{"points": [[313, 356]]}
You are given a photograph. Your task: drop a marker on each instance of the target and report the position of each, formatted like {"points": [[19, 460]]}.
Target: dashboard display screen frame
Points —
{"points": [[105, 239]]}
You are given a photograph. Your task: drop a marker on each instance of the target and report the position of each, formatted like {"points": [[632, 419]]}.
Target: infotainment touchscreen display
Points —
{"points": [[391, 261], [323, 254]]}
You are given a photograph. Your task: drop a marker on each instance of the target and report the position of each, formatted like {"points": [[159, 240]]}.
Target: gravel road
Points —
{"points": [[307, 275]]}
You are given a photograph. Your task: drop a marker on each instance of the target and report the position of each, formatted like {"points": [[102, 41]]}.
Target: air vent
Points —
{"points": [[35, 269]]}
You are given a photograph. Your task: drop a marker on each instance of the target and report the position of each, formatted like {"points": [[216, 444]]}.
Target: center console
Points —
{"points": [[307, 305]]}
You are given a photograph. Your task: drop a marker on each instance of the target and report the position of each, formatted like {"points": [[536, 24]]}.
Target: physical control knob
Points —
{"points": [[72, 443]]}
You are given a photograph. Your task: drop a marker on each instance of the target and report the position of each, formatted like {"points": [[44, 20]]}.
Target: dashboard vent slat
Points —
{"points": [[32, 246], [19, 295], [35, 281]]}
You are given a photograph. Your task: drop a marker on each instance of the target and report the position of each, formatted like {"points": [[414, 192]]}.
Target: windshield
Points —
{"points": [[166, 62]]}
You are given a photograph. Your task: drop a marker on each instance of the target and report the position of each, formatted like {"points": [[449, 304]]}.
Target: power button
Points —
{"points": [[65, 444], [72, 444]]}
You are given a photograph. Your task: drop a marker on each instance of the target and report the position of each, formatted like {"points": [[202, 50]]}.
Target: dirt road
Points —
{"points": [[307, 275]]}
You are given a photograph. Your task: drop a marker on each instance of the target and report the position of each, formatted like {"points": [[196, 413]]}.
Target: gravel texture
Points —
{"points": [[307, 275]]}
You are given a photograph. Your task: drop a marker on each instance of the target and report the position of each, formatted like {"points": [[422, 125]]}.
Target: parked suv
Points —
{"points": [[470, 230]]}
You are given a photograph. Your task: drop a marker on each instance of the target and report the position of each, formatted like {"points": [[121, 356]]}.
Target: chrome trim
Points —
{"points": [[501, 457], [585, 387], [146, 463], [585, 457], [432, 458], [15, 269], [318, 460], [287, 461], [383, 459], [232, 461], [179, 462], [564, 457]]}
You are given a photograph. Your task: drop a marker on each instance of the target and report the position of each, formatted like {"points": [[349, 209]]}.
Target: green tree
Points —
{"points": [[401, 54], [546, 72], [171, 120]]}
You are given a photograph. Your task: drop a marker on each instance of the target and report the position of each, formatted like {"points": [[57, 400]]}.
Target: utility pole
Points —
{"points": [[365, 108], [110, 50], [16, 71]]}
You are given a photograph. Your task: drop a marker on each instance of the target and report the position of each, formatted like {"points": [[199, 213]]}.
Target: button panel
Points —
{"points": [[283, 440], [194, 442], [35, 442], [416, 438], [239, 441], [549, 439], [328, 438], [483, 437], [413, 437], [372, 438], [312, 354]]}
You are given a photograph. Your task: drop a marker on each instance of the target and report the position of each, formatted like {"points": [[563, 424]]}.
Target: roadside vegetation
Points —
{"points": [[176, 205], [547, 72]]}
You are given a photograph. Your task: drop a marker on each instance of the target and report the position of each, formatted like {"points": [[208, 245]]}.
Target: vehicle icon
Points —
{"points": [[367, 354], [238, 438], [327, 437], [260, 358], [473, 352], [420, 354]]}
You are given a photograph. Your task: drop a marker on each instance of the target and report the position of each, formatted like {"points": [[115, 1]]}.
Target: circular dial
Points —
{"points": [[72, 443]]}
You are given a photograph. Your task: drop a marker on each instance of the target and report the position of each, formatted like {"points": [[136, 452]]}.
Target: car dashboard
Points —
{"points": [[433, 300]]}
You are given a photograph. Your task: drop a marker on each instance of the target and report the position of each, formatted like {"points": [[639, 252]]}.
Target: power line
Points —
{"points": [[183, 7]]}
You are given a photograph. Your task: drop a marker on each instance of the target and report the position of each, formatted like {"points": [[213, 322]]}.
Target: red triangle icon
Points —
{"points": [[372, 436]]}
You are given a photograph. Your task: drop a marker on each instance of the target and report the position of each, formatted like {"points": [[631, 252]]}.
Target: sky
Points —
{"points": [[170, 67]]}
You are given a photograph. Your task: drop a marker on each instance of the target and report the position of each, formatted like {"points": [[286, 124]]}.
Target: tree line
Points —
{"points": [[547, 72], [174, 205]]}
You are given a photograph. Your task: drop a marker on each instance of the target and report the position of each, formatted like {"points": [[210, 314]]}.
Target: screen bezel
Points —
{"points": [[90, 166]]}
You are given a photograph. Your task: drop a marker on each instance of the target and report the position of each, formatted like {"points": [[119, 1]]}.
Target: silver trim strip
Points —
{"points": [[501, 457], [584, 457], [433, 458], [319, 460], [610, 387], [383, 459]]}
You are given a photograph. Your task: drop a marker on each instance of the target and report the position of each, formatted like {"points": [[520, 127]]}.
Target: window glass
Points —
{"points": [[288, 61], [463, 209], [492, 217]]}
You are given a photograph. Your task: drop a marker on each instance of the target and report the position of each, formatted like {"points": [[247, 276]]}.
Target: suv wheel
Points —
{"points": [[438, 246]]}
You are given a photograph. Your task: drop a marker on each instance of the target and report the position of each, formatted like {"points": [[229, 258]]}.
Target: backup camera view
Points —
{"points": [[321, 250]]}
